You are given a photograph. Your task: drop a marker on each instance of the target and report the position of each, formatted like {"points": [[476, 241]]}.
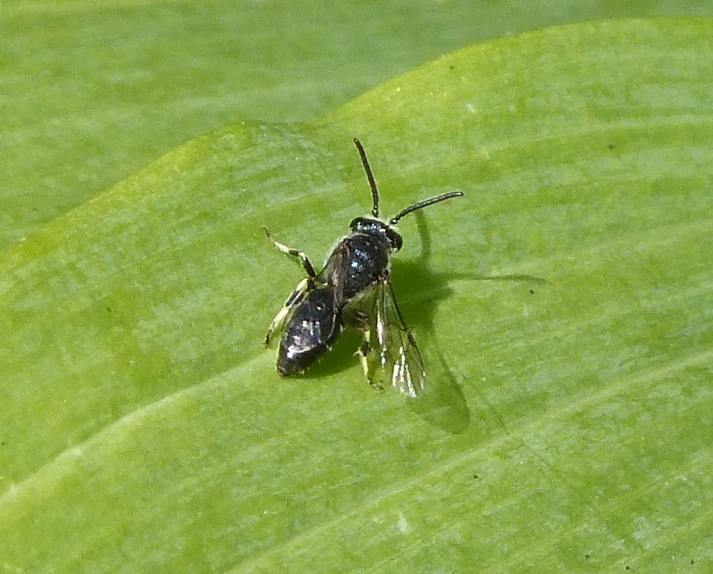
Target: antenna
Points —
{"points": [[425, 203], [370, 177]]}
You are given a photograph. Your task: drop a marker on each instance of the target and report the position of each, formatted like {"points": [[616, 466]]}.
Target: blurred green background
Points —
{"points": [[92, 91]]}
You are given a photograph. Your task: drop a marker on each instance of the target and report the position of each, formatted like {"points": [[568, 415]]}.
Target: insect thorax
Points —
{"points": [[360, 259]]}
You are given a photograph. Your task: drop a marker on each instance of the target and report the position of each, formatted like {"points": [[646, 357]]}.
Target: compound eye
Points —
{"points": [[395, 239]]}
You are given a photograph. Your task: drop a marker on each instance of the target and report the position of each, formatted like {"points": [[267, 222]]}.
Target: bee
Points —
{"points": [[353, 290]]}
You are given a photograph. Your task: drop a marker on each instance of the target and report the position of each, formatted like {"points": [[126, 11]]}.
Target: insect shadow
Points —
{"points": [[420, 289]]}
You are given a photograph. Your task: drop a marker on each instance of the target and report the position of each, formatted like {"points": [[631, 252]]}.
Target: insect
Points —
{"points": [[353, 290]]}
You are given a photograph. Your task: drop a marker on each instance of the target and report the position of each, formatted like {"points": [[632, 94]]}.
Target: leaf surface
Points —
{"points": [[565, 303], [91, 92]]}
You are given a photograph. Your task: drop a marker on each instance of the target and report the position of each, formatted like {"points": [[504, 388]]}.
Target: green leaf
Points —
{"points": [[91, 92], [564, 303]]}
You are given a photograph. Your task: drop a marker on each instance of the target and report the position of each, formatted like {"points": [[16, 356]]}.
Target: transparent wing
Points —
{"points": [[399, 357], [336, 270]]}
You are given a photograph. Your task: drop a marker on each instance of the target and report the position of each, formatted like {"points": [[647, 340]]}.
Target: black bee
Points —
{"points": [[353, 289]]}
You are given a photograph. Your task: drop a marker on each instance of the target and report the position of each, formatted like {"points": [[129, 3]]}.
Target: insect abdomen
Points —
{"points": [[309, 332]]}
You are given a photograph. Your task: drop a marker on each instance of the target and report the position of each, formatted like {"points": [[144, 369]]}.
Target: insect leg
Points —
{"points": [[292, 301], [363, 353], [293, 252]]}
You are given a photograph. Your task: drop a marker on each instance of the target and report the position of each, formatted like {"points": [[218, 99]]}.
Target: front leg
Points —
{"points": [[292, 301], [301, 255]]}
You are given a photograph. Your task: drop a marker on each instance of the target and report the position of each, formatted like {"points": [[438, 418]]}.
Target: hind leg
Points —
{"points": [[292, 301], [363, 353]]}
